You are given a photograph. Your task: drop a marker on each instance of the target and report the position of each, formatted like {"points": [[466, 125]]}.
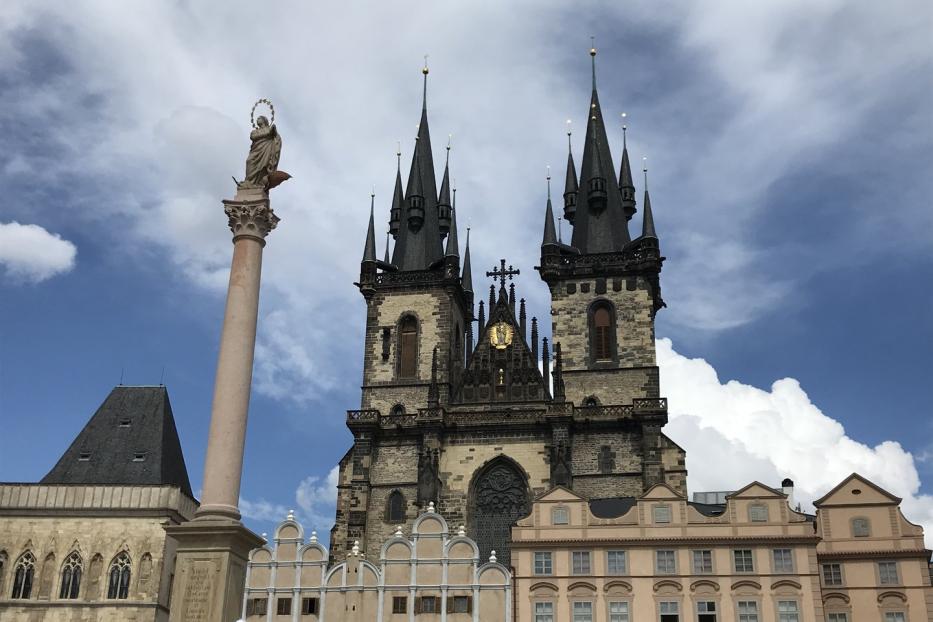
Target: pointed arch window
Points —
{"points": [[118, 586], [408, 347], [395, 507], [602, 332], [71, 576], [23, 575]]}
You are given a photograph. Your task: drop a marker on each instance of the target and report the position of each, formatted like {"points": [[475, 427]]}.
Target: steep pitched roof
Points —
{"points": [[130, 440], [845, 495]]}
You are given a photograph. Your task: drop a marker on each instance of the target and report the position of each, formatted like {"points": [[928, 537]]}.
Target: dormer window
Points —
{"points": [[139, 456], [125, 423], [84, 456]]}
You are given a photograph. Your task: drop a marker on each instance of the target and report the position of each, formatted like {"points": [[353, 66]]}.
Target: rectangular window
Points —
{"points": [[702, 562], [669, 610], [544, 612], [748, 611], [788, 611], [581, 562], [837, 617], [283, 606], [399, 604], [744, 562], [783, 560], [706, 611], [618, 611], [861, 528], [758, 513], [665, 562], [560, 516], [615, 562], [84, 456], [887, 573], [257, 606], [309, 606], [426, 604], [583, 612], [895, 616], [460, 604], [832, 574], [543, 564], [662, 513]]}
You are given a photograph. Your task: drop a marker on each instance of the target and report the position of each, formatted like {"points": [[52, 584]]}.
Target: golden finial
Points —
{"points": [[372, 195], [424, 70], [450, 137], [398, 148], [569, 127], [592, 46]]}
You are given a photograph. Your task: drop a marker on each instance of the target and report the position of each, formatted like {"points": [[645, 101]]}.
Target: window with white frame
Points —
{"points": [[662, 513], [788, 611], [582, 611], [706, 611], [580, 562], [887, 573], [836, 616], [615, 562], [669, 611], [702, 562], [758, 513], [665, 562], [895, 616], [544, 612], [560, 516], [618, 611], [783, 560], [743, 560], [832, 574], [543, 565], [748, 610]]}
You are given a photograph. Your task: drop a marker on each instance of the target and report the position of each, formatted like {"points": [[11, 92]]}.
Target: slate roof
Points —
{"points": [[612, 507], [130, 440]]}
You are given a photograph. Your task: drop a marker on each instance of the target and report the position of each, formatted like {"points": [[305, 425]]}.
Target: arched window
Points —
{"points": [[408, 348], [591, 401], [602, 337], [395, 507], [23, 576], [398, 409], [118, 585], [71, 576]]}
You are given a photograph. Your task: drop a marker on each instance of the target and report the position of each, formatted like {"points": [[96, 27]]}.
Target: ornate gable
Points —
{"points": [[502, 367]]}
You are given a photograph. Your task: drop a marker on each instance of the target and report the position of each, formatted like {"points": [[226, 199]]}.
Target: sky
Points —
{"points": [[789, 144]]}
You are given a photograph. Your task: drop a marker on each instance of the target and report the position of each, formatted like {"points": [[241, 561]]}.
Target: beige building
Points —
{"points": [[88, 542], [432, 576], [659, 557], [873, 562]]}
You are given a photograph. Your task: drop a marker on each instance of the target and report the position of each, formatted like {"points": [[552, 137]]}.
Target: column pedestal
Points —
{"points": [[213, 549]]}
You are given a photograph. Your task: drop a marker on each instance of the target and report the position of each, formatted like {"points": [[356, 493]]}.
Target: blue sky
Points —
{"points": [[789, 143]]}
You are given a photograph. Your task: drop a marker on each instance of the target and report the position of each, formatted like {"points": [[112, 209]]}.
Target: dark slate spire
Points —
{"points": [[550, 234], [433, 392], [369, 250], [481, 319], [647, 219], [534, 339], [130, 440], [467, 278], [626, 185], [386, 259], [570, 185], [443, 200], [546, 364], [599, 226], [419, 241], [398, 199], [453, 245], [558, 374]]}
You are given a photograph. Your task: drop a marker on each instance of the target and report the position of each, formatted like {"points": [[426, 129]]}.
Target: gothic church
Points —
{"points": [[455, 409]]}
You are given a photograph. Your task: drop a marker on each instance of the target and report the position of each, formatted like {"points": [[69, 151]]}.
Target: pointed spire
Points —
{"points": [[593, 57], [453, 245], [550, 236], [386, 259], [444, 204], [369, 251], [626, 185], [398, 198], [596, 194], [467, 279], [512, 297], [481, 320], [522, 322], [647, 224], [492, 298], [534, 339], [546, 364], [570, 185], [415, 191], [558, 374]]}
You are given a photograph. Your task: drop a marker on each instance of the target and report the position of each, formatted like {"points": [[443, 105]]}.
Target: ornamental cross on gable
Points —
{"points": [[501, 272]]}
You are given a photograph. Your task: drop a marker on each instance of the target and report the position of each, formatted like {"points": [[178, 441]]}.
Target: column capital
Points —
{"points": [[250, 215]]}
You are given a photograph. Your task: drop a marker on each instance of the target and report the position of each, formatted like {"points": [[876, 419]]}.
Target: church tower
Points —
{"points": [[480, 430]]}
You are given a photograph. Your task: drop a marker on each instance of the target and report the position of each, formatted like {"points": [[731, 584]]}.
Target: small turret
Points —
{"points": [[467, 278], [444, 205], [398, 199], [596, 195], [415, 193], [626, 185], [647, 223], [570, 185], [550, 234]]}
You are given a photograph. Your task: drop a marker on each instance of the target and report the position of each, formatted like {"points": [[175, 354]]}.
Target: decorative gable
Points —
{"points": [[756, 490], [856, 490], [660, 491]]}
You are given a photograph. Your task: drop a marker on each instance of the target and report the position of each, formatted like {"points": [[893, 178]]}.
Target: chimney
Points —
{"points": [[787, 487]]}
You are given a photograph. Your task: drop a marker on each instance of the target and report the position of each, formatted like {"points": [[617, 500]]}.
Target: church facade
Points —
{"points": [[480, 427]]}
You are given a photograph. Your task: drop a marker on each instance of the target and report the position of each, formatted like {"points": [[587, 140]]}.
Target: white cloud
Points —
{"points": [[29, 253], [734, 433], [262, 510], [317, 499]]}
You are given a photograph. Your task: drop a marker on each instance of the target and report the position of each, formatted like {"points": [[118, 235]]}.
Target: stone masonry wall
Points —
{"points": [[611, 386]]}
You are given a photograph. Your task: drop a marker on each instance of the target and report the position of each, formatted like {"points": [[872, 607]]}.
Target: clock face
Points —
{"points": [[500, 335]]}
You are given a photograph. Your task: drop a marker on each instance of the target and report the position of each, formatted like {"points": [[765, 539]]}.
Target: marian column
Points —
{"points": [[212, 550]]}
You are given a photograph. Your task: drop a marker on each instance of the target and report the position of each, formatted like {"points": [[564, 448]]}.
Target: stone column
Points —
{"points": [[212, 551]]}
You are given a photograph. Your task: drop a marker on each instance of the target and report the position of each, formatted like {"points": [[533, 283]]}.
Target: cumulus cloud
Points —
{"points": [[263, 511], [734, 433], [317, 498], [29, 253]]}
